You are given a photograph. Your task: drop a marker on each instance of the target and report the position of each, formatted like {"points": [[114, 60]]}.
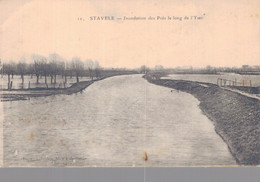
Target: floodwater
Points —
{"points": [[255, 79], [113, 123], [30, 82]]}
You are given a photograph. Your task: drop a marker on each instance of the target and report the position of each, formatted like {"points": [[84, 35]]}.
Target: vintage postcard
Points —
{"points": [[119, 83]]}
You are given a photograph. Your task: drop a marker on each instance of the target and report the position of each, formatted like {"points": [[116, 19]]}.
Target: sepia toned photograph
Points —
{"points": [[146, 83]]}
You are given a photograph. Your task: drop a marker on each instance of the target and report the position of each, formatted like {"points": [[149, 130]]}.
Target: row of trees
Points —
{"points": [[52, 66]]}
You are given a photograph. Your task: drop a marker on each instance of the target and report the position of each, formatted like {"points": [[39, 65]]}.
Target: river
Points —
{"points": [[112, 123]]}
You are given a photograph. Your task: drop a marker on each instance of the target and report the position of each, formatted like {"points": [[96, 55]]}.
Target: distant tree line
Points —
{"points": [[245, 69], [159, 71]]}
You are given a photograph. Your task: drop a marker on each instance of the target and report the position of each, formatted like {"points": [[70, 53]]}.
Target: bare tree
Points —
{"points": [[144, 69], [31, 69], [89, 64], [67, 71], [22, 68], [8, 68], [77, 66], [45, 71], [39, 64], [61, 67], [1, 68], [97, 69], [13, 68], [53, 62], [56, 66]]}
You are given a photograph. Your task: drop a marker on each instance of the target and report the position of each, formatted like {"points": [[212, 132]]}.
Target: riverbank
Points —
{"points": [[24, 94], [236, 117]]}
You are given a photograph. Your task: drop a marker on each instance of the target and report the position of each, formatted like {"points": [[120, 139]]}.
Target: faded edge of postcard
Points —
{"points": [[140, 83], [1, 134]]}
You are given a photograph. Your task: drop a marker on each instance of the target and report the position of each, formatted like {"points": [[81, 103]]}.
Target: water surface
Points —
{"points": [[112, 123]]}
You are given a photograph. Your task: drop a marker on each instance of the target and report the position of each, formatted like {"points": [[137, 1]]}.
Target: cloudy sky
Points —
{"points": [[228, 34]]}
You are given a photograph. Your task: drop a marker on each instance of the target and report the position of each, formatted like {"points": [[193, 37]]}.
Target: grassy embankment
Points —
{"points": [[235, 116]]}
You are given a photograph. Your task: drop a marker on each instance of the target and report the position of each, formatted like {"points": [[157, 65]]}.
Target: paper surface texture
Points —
{"points": [[129, 83]]}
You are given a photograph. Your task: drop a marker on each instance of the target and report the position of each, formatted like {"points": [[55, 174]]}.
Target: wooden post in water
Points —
{"points": [[11, 84], [243, 82], [9, 81], [235, 82], [29, 85], [250, 83]]}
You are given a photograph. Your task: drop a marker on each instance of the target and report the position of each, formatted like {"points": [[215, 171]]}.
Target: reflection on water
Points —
{"points": [[112, 123]]}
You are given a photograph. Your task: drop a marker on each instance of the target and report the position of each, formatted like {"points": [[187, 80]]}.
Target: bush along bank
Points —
{"points": [[235, 116]]}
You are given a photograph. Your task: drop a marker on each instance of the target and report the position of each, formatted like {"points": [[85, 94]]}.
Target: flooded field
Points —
{"points": [[113, 122], [255, 79], [17, 82]]}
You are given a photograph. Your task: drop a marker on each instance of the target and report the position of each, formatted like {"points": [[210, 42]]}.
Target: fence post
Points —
{"points": [[11, 84]]}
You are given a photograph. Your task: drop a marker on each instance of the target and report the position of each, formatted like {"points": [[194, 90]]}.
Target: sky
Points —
{"points": [[228, 34]]}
